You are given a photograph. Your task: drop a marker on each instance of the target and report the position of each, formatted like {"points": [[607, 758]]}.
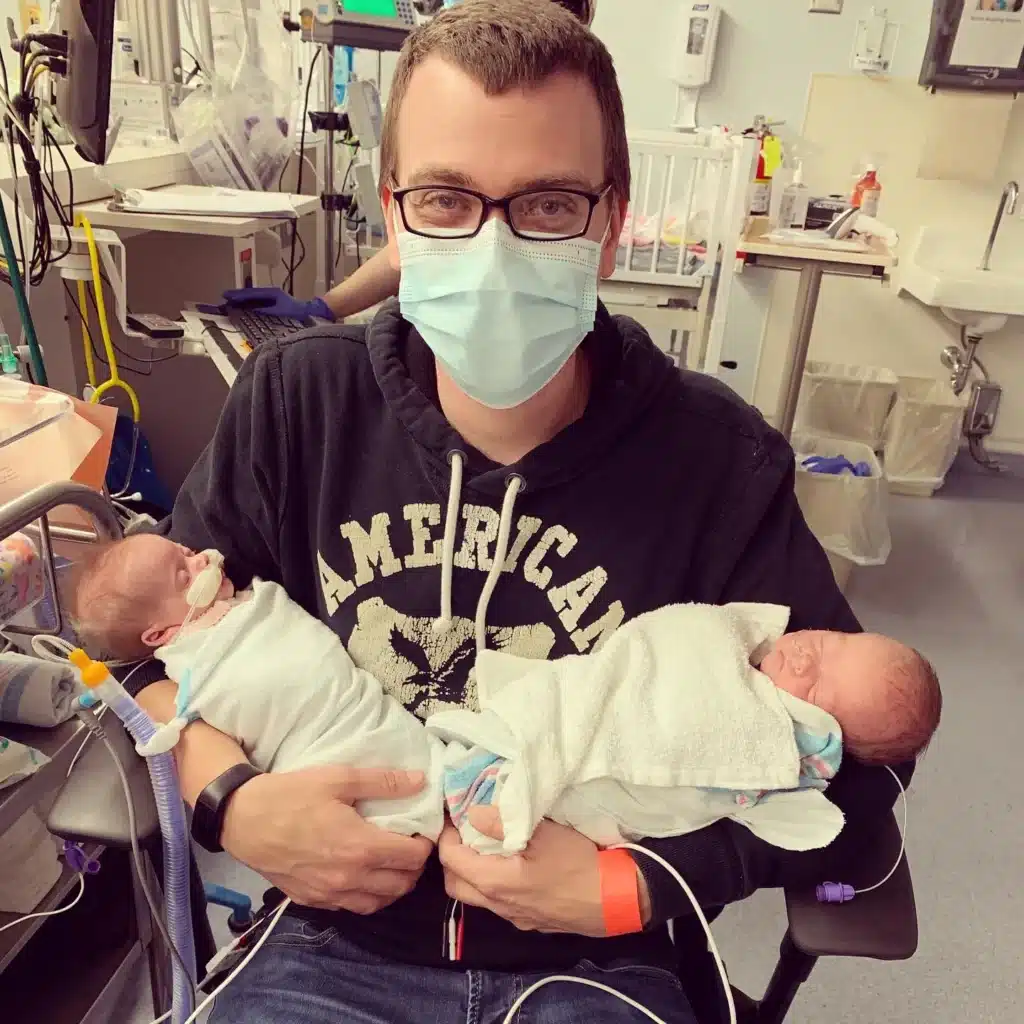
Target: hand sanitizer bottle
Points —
{"points": [[795, 201]]}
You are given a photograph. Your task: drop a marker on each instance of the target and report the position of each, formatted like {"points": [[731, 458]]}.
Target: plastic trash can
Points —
{"points": [[847, 402], [923, 435], [848, 514]]}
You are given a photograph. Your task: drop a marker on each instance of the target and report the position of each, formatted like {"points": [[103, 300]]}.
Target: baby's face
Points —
{"points": [[161, 572], [846, 675]]}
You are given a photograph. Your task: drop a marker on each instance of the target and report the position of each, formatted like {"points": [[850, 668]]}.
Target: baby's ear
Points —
{"points": [[155, 637]]}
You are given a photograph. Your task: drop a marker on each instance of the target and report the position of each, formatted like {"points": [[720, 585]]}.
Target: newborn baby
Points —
{"points": [[257, 667], [670, 727], [666, 729]]}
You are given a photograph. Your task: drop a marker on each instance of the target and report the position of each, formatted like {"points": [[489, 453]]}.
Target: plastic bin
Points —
{"points": [[848, 402], [848, 514], [923, 435]]}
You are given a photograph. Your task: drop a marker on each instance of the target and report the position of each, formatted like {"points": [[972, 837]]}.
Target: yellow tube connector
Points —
{"points": [[94, 673]]}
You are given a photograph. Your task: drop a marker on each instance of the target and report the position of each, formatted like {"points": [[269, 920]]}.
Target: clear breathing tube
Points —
{"points": [[171, 813]]}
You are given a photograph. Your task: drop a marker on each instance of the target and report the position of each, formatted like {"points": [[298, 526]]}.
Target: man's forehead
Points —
{"points": [[451, 131]]}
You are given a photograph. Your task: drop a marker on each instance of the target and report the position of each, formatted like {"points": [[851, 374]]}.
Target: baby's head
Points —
{"points": [[130, 597], [883, 694]]}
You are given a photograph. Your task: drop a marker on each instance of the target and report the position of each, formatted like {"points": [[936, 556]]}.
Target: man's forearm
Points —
{"points": [[375, 281], [711, 864], [202, 754]]}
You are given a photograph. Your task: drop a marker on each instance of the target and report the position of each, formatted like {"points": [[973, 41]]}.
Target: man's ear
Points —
{"points": [[157, 636], [387, 202], [609, 253]]}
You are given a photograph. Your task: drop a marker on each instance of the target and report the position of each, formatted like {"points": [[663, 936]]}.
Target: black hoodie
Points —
{"points": [[331, 472]]}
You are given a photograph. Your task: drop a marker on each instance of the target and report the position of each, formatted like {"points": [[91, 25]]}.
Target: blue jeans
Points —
{"points": [[306, 976]]}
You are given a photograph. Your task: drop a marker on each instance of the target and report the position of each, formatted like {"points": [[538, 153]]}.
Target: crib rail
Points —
{"points": [[34, 507], [685, 196]]}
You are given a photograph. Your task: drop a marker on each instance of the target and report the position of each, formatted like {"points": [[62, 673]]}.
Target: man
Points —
{"points": [[377, 279], [521, 471]]}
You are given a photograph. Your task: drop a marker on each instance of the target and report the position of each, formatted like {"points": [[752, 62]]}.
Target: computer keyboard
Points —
{"points": [[256, 327]]}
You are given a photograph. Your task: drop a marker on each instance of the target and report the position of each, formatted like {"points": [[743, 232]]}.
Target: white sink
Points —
{"points": [[942, 270]]}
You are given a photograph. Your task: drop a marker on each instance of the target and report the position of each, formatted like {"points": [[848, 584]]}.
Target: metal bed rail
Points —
{"points": [[34, 507]]}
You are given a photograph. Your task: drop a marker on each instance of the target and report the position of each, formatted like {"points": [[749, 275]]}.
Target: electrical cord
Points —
{"points": [[99, 717], [568, 979], [90, 721], [271, 925], [50, 913], [903, 840], [148, 362], [186, 9], [293, 268]]}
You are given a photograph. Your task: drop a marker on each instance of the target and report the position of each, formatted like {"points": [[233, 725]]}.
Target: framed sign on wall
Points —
{"points": [[975, 44]]}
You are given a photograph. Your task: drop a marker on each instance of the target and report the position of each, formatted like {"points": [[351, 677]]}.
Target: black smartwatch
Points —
{"points": [[212, 805]]}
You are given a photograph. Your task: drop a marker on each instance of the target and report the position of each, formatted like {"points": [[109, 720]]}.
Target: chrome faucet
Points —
{"points": [[1007, 204]]}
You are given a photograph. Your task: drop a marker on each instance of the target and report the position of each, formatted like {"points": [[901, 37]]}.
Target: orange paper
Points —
{"points": [[73, 445]]}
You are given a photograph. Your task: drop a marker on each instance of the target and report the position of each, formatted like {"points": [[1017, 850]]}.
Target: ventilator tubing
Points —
{"points": [[177, 852]]}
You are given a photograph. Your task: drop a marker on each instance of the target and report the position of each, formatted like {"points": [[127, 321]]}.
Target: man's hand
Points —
{"points": [[299, 830], [552, 886]]}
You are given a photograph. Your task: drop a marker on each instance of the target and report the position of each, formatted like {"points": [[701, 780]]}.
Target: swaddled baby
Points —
{"points": [[664, 730], [258, 667], [670, 727]]}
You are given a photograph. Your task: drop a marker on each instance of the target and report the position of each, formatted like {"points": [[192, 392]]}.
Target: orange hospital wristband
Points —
{"points": [[620, 895]]}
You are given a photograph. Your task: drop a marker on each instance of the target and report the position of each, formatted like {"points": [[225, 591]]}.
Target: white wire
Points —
{"points": [[563, 978], [47, 647], [99, 717], [50, 913], [186, 9], [244, 55], [154, 909], [903, 840], [278, 914], [517, 1005]]}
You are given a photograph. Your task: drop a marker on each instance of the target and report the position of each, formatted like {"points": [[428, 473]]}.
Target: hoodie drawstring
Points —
{"points": [[515, 484], [451, 524], [508, 507]]}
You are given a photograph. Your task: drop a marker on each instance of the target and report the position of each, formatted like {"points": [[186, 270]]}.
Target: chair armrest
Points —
{"points": [[880, 925], [91, 806]]}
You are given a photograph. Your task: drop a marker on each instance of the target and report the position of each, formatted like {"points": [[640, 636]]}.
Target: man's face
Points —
{"points": [[451, 132]]}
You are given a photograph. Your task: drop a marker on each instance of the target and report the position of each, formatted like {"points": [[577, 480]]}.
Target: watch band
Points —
{"points": [[620, 893], [212, 805]]}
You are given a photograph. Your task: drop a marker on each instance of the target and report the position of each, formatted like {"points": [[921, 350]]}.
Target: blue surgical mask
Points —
{"points": [[501, 314]]}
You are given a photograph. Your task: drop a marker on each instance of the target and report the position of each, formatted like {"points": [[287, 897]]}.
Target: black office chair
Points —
{"points": [[880, 925]]}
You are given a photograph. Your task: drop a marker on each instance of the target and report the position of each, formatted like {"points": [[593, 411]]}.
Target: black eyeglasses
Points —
{"points": [[547, 215]]}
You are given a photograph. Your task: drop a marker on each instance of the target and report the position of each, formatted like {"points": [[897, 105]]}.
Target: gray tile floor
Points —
{"points": [[954, 587]]}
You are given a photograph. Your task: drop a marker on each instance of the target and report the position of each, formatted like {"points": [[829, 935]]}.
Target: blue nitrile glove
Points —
{"points": [[276, 302], [835, 465]]}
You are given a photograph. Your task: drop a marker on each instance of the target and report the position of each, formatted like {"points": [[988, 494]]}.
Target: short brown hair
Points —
{"points": [[109, 624], [511, 44], [916, 697], [580, 9]]}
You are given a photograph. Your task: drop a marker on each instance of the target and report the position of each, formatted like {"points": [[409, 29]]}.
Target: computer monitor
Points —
{"points": [[83, 94]]}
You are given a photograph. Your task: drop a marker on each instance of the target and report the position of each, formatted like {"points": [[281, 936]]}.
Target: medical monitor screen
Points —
{"points": [[379, 8], [83, 94]]}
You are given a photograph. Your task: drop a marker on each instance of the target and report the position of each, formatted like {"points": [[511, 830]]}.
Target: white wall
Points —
{"points": [[768, 53], [860, 321]]}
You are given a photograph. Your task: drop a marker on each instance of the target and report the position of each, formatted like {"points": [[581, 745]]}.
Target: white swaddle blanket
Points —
{"points": [[282, 684], [654, 735]]}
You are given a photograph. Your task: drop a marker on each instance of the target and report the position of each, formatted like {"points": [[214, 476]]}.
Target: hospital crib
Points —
{"points": [[90, 809], [688, 207]]}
